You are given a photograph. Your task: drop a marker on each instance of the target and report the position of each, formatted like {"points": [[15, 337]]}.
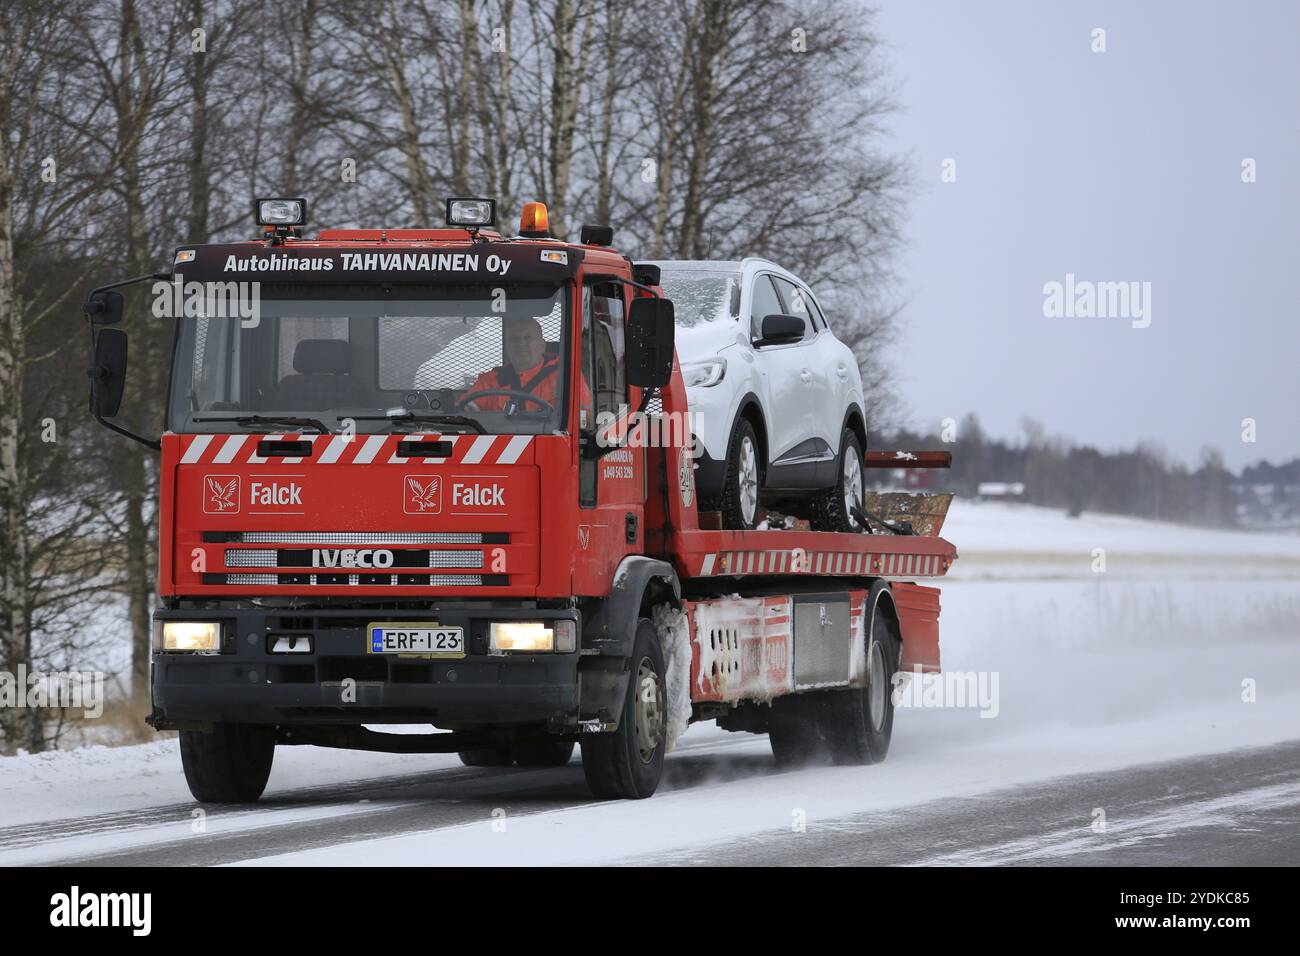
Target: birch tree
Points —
{"points": [[46, 191]]}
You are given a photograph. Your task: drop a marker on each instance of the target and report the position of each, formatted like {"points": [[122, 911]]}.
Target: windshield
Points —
{"points": [[436, 358], [700, 297]]}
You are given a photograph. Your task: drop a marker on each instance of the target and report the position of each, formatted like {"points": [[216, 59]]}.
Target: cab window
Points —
{"points": [[603, 326]]}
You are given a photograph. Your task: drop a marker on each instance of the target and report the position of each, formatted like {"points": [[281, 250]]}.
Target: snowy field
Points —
{"points": [[1187, 643]]}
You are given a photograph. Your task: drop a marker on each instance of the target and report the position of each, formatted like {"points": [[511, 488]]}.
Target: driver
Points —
{"points": [[527, 368]]}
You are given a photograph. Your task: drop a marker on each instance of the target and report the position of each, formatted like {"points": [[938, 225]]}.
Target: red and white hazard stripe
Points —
{"points": [[831, 563], [353, 449]]}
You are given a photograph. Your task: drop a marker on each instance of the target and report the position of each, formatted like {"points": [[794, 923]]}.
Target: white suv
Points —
{"points": [[777, 397]]}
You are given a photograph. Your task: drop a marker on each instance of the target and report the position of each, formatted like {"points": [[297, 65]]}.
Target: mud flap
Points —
{"points": [[917, 607], [608, 634], [674, 638]]}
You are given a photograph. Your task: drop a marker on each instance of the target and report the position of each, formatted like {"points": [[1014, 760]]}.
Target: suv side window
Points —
{"points": [[819, 317], [763, 302], [797, 302]]}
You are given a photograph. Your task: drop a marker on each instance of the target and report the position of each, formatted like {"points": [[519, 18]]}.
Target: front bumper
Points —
{"points": [[713, 413], [339, 683]]}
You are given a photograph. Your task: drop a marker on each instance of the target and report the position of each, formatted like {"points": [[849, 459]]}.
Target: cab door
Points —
{"points": [[612, 480]]}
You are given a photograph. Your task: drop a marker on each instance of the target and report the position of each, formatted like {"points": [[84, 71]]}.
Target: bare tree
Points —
{"points": [[765, 119], [46, 191], [222, 43], [136, 71], [727, 129]]}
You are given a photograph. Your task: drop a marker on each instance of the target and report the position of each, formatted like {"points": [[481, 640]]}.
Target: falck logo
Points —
{"points": [[423, 495], [220, 494]]}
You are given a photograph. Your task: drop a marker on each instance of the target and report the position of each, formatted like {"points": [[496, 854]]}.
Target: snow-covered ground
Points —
{"points": [[1187, 643], [1007, 529]]}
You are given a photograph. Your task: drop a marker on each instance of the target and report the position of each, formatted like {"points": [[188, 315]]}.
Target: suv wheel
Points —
{"points": [[740, 484], [833, 508]]}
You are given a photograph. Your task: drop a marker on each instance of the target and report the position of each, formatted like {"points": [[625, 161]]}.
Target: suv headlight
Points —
{"points": [[191, 636], [704, 374]]}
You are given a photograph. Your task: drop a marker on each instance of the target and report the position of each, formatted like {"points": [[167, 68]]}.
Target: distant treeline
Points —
{"points": [[1057, 473], [1267, 473]]}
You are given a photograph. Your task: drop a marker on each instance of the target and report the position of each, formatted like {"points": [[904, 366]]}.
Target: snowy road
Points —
{"points": [[1230, 809], [1161, 694], [1224, 810]]}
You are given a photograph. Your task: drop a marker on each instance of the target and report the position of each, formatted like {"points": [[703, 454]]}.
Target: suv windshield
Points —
{"points": [[423, 356], [700, 297]]}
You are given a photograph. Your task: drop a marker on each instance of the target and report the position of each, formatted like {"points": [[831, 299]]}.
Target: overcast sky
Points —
{"points": [[1117, 166]]}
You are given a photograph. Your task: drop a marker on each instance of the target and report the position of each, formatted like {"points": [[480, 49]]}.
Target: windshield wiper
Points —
{"points": [[246, 420], [426, 418]]}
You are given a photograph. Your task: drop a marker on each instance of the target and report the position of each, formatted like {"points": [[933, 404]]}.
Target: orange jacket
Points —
{"points": [[541, 380]]}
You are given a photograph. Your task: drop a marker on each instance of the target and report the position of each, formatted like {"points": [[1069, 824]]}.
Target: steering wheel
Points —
{"points": [[468, 397]]}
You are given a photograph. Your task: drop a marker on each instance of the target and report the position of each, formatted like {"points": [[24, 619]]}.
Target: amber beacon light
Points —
{"points": [[535, 223]]}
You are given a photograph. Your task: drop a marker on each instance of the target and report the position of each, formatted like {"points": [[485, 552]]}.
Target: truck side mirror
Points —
{"points": [[781, 329], [108, 374], [104, 308], [650, 342]]}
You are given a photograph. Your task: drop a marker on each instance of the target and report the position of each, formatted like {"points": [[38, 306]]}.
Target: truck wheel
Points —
{"points": [[739, 500], [542, 752], [859, 722], [486, 757], [794, 730], [628, 763], [832, 508], [229, 765]]}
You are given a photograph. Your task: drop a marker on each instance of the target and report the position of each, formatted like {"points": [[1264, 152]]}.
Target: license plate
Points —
{"points": [[427, 640]]}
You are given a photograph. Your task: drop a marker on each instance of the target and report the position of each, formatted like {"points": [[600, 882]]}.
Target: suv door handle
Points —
{"points": [[841, 371], [806, 375]]}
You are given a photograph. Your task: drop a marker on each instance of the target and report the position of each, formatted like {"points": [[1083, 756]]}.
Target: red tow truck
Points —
{"points": [[372, 514]]}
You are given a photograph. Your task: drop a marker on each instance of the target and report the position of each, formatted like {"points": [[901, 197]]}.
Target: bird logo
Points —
{"points": [[222, 496], [423, 498]]}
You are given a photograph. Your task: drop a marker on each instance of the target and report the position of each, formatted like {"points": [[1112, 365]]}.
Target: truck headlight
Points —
{"points": [[281, 212], [506, 637], [191, 636], [704, 374], [471, 212]]}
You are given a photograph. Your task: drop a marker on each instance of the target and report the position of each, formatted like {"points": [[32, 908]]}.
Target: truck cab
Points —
{"points": [[385, 494]]}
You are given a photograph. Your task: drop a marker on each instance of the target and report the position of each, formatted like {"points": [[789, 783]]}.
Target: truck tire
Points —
{"points": [[486, 757], [229, 765], [542, 752], [831, 510], [738, 502], [628, 763], [858, 723]]}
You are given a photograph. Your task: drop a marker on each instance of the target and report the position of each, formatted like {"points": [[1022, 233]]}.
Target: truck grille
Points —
{"points": [[324, 566], [300, 558], [368, 579]]}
